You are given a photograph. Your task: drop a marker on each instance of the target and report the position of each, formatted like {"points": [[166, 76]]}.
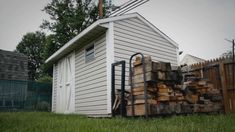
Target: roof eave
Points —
{"points": [[59, 53]]}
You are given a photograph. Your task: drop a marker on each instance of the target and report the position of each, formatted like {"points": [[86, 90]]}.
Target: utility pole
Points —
{"points": [[233, 65], [233, 60], [100, 9]]}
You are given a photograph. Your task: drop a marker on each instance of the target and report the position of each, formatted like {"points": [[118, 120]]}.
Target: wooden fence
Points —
{"points": [[220, 72]]}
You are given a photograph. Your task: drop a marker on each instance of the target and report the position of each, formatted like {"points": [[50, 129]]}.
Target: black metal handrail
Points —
{"points": [[122, 108]]}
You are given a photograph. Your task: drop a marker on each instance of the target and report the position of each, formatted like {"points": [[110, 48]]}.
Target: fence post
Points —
{"points": [[224, 87]]}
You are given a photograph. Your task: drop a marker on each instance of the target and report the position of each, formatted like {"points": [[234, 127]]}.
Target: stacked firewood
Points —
{"points": [[166, 94], [158, 92], [204, 97]]}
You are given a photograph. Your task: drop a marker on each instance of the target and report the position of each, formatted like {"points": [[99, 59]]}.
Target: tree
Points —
{"points": [[228, 53], [32, 45], [70, 17], [49, 48]]}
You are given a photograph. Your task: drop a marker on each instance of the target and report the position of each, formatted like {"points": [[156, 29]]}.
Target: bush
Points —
{"points": [[45, 79]]}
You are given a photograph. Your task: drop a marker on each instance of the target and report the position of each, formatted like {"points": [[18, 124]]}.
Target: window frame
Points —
{"points": [[88, 49]]}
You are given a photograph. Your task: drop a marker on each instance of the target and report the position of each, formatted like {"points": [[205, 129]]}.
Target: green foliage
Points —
{"points": [[32, 45], [50, 47], [45, 79], [49, 122], [228, 53], [69, 18]]}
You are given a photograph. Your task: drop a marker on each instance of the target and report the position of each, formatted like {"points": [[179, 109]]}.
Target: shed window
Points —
{"points": [[90, 53]]}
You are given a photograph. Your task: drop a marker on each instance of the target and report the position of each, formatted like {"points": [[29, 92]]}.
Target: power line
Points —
{"points": [[132, 7], [126, 7], [123, 6]]}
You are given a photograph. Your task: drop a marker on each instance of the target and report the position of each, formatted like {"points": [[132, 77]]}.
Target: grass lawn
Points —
{"points": [[49, 122]]}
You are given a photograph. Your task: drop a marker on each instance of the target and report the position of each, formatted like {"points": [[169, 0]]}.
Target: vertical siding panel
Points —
{"points": [[54, 91], [133, 35], [90, 81]]}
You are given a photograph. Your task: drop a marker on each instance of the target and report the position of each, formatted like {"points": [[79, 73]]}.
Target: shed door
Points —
{"points": [[66, 91]]}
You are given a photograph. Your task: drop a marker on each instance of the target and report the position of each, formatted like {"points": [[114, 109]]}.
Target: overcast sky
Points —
{"points": [[198, 26]]}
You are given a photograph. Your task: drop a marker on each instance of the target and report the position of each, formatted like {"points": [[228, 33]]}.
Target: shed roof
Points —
{"points": [[97, 27]]}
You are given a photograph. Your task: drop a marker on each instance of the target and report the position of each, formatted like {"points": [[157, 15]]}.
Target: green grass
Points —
{"points": [[49, 122]]}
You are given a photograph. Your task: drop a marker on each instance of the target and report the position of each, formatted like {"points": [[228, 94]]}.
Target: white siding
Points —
{"points": [[133, 35], [54, 88], [90, 81]]}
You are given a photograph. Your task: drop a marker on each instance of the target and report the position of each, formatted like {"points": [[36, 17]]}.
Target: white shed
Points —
{"points": [[190, 59], [82, 67]]}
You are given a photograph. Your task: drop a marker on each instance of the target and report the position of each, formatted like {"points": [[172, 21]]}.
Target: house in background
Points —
{"points": [[13, 76], [13, 65], [190, 59], [82, 67]]}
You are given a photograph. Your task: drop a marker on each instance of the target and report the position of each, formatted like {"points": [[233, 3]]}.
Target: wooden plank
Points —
{"points": [[141, 84], [147, 60], [142, 101], [142, 93], [192, 98], [164, 66], [161, 75], [203, 90], [163, 98], [163, 90], [224, 87], [139, 89], [149, 67], [202, 82], [162, 86], [149, 96], [150, 76], [139, 110]]}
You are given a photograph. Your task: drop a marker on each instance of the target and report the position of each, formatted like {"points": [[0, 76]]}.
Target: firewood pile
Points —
{"points": [[167, 93], [204, 97]]}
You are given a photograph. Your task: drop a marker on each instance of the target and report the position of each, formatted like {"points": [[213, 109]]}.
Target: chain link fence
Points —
{"points": [[25, 96]]}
